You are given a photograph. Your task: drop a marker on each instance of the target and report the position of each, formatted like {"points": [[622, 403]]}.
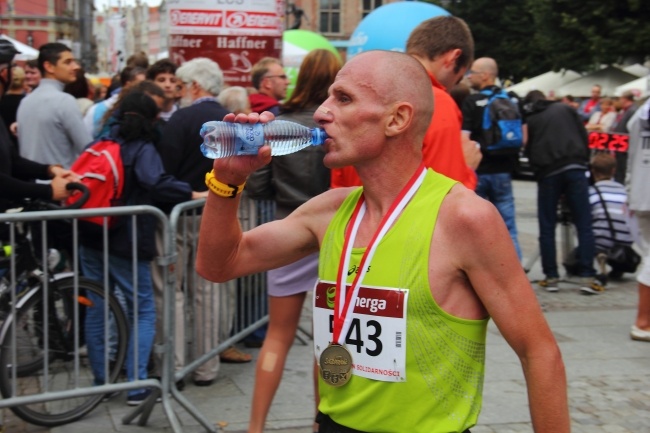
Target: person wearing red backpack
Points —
{"points": [[145, 183]]}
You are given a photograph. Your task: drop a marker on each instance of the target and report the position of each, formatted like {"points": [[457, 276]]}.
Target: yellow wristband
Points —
{"points": [[222, 189]]}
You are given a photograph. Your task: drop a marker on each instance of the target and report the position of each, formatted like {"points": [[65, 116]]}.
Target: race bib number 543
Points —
{"points": [[376, 338]]}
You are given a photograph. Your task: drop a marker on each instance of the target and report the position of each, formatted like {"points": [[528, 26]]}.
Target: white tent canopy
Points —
{"points": [[26, 52], [548, 83], [608, 78], [637, 69], [640, 87]]}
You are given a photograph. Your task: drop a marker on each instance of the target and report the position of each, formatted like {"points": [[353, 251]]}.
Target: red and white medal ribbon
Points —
{"points": [[343, 310]]}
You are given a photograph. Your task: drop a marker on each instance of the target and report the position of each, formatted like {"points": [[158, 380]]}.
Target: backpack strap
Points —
{"points": [[487, 92], [609, 219], [492, 93]]}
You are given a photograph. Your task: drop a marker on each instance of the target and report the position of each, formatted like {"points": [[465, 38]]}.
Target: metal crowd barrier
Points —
{"points": [[214, 316]]}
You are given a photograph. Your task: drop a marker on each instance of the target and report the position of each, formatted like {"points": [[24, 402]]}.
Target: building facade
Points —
{"points": [[36, 22], [334, 19]]}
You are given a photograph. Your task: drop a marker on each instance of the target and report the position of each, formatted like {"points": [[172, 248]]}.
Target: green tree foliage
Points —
{"points": [[502, 30], [529, 37], [583, 35]]}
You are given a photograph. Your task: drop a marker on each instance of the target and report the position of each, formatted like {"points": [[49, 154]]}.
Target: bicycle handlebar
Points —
{"points": [[73, 186]]}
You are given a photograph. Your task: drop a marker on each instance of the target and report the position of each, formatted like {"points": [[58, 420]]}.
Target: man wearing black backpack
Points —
{"points": [[500, 143]]}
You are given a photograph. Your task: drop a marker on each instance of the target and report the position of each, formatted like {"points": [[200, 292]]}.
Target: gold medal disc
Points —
{"points": [[335, 365]]}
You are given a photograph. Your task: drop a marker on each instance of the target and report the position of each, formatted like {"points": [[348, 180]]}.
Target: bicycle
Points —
{"points": [[35, 358]]}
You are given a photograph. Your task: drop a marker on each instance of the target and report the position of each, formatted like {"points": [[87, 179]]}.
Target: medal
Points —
{"points": [[335, 365]]}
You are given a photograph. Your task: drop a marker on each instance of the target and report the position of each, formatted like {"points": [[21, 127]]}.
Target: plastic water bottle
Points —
{"points": [[223, 139]]}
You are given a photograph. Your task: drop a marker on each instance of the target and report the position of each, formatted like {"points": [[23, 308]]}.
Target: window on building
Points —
{"points": [[330, 16], [369, 6]]}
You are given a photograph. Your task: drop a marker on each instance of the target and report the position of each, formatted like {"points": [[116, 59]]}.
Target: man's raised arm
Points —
{"points": [[221, 234], [224, 251]]}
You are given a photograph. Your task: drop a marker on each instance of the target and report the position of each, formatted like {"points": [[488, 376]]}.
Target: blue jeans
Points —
{"points": [[497, 189], [574, 185], [120, 276]]}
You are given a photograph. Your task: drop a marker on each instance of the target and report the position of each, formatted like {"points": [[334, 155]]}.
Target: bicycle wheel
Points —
{"points": [[62, 366], [29, 353]]}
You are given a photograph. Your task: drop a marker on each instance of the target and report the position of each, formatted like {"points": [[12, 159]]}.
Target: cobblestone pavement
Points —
{"points": [[608, 374]]}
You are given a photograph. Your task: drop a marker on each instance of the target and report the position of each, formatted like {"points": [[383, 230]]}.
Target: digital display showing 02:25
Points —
{"points": [[605, 141]]}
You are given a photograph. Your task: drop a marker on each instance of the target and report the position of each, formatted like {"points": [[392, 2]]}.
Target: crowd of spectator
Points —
{"points": [[50, 112]]}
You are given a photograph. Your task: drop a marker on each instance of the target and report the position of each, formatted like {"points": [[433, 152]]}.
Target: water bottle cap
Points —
{"points": [[318, 136]]}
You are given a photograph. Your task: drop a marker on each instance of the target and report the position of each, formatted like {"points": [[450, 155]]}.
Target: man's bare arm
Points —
{"points": [[225, 252], [484, 251]]}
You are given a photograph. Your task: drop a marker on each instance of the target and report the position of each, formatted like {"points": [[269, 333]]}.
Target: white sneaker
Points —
{"points": [[591, 286], [550, 284], [639, 334]]}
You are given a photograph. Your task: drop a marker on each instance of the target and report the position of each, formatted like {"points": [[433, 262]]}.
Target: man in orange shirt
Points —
{"points": [[445, 47]]}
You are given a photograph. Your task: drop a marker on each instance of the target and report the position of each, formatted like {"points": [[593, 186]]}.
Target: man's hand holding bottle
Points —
{"points": [[235, 170]]}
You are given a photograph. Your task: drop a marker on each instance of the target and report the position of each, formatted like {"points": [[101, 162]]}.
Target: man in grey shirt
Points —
{"points": [[50, 125]]}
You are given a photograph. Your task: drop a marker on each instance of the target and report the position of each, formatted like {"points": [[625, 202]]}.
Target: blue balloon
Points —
{"points": [[388, 27]]}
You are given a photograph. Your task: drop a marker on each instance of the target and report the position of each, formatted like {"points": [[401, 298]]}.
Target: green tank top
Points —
{"points": [[445, 355]]}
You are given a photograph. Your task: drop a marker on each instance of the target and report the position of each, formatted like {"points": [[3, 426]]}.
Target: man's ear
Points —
{"points": [[400, 119], [264, 83], [49, 67], [451, 56], [192, 87]]}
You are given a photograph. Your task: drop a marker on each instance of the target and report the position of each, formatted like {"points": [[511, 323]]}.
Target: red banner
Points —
{"points": [[236, 55]]}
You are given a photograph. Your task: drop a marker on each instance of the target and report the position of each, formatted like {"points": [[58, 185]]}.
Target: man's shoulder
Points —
{"points": [[462, 209], [477, 99], [202, 110], [188, 120], [489, 91], [477, 96], [55, 103], [472, 107], [443, 100], [68, 100], [611, 185], [28, 99], [261, 102], [319, 211], [446, 122], [558, 107]]}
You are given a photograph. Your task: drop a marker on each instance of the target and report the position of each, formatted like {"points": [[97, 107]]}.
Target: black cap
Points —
{"points": [[7, 51]]}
